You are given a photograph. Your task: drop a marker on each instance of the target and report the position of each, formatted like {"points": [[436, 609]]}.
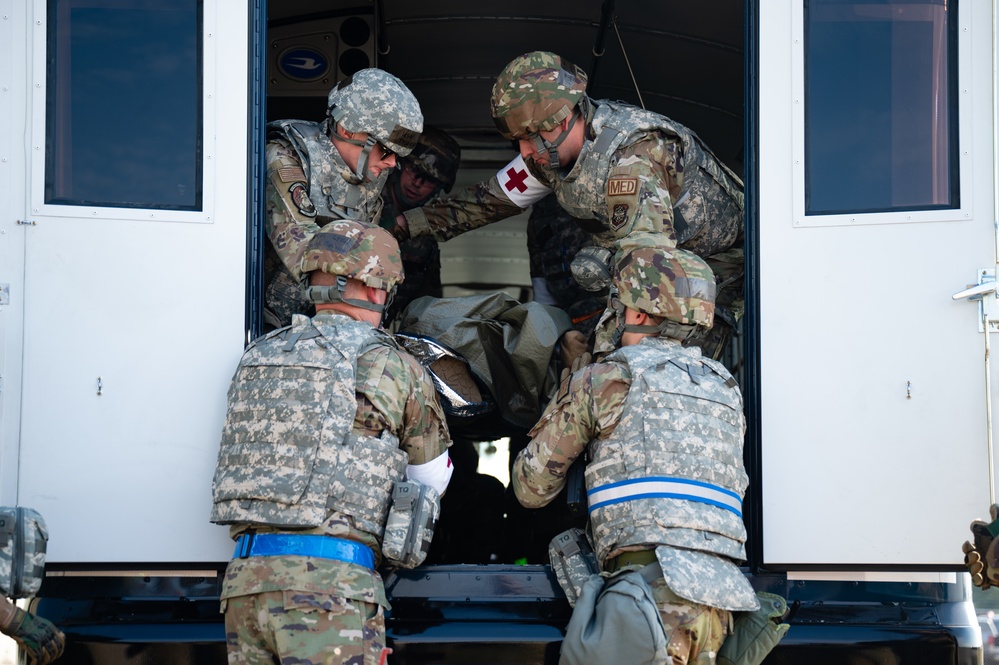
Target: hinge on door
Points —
{"points": [[985, 294]]}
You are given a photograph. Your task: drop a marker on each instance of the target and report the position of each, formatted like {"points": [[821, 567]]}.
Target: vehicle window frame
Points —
{"points": [[965, 139], [39, 135]]}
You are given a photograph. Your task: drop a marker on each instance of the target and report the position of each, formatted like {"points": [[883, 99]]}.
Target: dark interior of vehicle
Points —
{"points": [[682, 59]]}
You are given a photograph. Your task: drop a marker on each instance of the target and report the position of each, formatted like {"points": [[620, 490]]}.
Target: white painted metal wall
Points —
{"points": [[873, 398], [133, 321]]}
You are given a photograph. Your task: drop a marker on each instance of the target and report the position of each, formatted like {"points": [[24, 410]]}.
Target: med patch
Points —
{"points": [[618, 186]]}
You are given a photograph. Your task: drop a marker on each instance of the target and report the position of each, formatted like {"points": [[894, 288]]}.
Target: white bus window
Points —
{"points": [[123, 106], [881, 117]]}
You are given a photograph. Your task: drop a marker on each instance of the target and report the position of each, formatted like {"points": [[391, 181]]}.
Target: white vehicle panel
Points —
{"points": [[873, 388], [133, 324]]}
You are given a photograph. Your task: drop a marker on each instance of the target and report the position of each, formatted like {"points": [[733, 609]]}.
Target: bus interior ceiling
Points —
{"points": [[682, 59]]}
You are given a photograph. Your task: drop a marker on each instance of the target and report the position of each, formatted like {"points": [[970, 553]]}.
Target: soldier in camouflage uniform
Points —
{"points": [[423, 176], [324, 417], [662, 428], [621, 168], [319, 172]]}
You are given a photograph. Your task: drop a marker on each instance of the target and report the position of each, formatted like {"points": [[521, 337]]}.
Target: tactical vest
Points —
{"points": [[289, 455], [671, 472], [333, 187], [708, 214], [556, 237]]}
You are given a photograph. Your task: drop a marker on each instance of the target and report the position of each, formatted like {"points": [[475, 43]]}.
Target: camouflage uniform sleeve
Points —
{"points": [[394, 392], [589, 408], [645, 178], [290, 219], [472, 208]]}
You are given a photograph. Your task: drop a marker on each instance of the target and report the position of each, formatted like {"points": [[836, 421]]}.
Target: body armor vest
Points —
{"points": [[708, 214], [556, 238], [671, 472], [289, 455], [333, 187]]}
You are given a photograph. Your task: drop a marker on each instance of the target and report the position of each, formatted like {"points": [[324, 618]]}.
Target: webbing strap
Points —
{"points": [[293, 336]]}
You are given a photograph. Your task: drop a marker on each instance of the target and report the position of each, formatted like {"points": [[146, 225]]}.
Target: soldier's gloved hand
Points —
{"points": [[982, 549], [42, 641], [572, 345]]}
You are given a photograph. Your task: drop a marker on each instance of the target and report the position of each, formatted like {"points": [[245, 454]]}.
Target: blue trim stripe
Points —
{"points": [[664, 487]]}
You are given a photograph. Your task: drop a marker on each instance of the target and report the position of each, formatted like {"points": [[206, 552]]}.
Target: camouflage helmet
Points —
{"points": [[357, 251], [379, 104], [437, 154], [536, 92], [674, 284]]}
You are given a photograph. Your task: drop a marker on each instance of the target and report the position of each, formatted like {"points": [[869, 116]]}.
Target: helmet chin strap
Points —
{"points": [[551, 147], [361, 172], [324, 295], [665, 328], [644, 330], [362, 161], [678, 331], [670, 329]]}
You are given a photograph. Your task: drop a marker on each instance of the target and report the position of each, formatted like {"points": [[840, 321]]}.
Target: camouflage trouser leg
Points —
{"points": [[696, 632], [304, 628]]}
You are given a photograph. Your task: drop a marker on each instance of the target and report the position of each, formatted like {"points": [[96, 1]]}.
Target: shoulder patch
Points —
{"points": [[291, 173], [620, 216], [300, 197], [622, 186]]}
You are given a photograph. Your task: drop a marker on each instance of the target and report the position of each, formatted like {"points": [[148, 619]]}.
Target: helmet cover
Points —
{"points": [[437, 155], [536, 92], [358, 251], [671, 283], [379, 104]]}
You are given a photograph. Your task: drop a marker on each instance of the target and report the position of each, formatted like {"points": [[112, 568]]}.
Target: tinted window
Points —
{"points": [[123, 117], [881, 110]]}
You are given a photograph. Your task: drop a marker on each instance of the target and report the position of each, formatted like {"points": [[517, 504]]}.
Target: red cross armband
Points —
{"points": [[519, 185]]}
